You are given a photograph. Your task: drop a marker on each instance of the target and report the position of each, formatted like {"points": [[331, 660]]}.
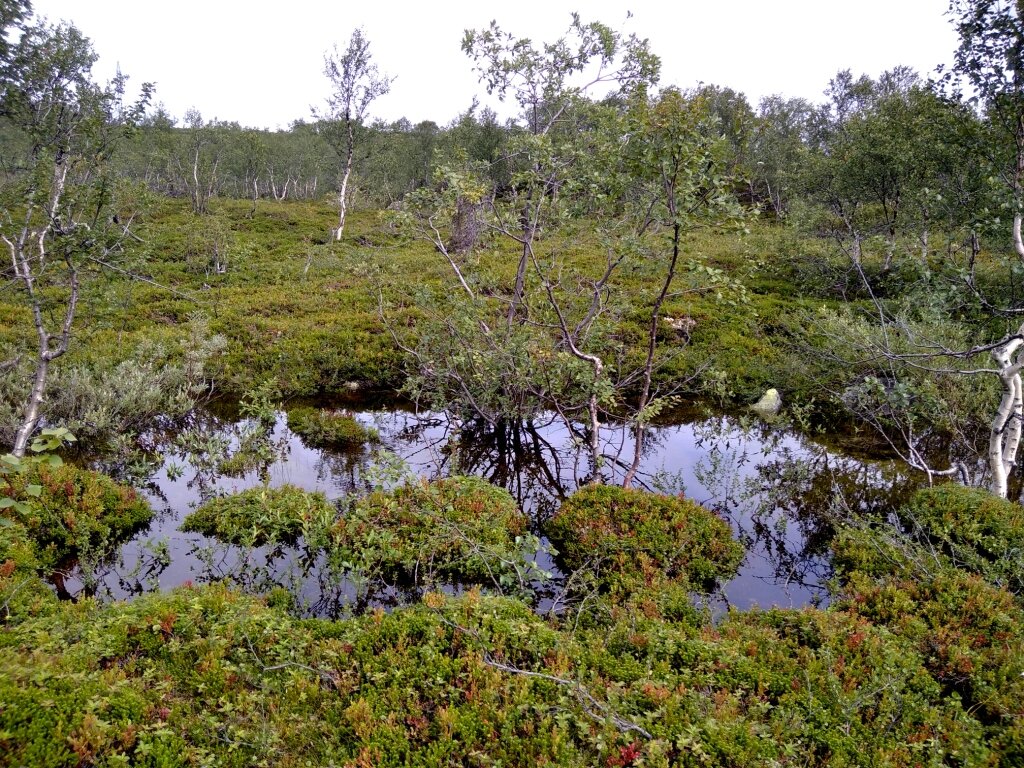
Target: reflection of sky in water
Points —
{"points": [[772, 485]]}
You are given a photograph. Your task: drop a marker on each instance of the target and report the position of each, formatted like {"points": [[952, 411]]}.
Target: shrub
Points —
{"points": [[22, 592], [976, 530], [967, 632], [77, 510], [263, 515], [329, 429], [461, 528], [633, 537]]}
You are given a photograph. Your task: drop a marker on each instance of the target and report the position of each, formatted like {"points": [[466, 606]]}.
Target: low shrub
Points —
{"points": [[976, 530], [329, 429], [205, 675], [968, 633], [633, 538], [263, 515], [76, 511], [459, 528], [22, 592]]}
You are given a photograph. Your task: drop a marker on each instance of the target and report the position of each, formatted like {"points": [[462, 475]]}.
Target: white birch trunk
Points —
{"points": [[1018, 243], [343, 194], [1006, 430]]}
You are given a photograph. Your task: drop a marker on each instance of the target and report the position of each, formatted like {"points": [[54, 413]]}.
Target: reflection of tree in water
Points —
{"points": [[523, 458], [786, 495], [95, 573], [342, 469], [780, 492], [539, 462]]}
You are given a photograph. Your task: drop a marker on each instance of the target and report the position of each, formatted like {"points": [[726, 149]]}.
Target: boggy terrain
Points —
{"points": [[918, 658], [615, 252]]}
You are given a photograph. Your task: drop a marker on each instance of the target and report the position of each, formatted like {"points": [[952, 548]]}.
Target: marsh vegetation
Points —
{"points": [[367, 444]]}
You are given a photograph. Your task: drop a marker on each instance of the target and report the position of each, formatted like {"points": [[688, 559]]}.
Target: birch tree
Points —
{"points": [[356, 83], [676, 158], [58, 204], [548, 82], [990, 60]]}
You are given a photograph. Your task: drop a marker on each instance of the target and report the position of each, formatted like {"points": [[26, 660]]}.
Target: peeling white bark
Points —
{"points": [[1006, 429]]}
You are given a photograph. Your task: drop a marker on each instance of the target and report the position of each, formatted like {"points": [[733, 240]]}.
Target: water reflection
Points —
{"points": [[781, 492]]}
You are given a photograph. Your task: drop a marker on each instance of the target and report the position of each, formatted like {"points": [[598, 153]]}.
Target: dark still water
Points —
{"points": [[780, 491]]}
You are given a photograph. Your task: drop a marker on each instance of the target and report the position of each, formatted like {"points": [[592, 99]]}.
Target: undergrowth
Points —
{"points": [[915, 662]]}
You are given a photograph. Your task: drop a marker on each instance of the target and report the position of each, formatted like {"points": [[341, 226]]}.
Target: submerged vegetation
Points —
{"points": [[601, 258]]}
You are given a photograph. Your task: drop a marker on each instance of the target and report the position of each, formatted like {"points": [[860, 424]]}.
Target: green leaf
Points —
{"points": [[34, 490]]}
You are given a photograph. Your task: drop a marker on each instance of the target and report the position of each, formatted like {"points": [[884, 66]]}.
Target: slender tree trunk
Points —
{"points": [[198, 205], [1005, 435], [1018, 181], [46, 354], [30, 416], [519, 287], [890, 251], [1018, 243], [29, 259], [652, 338], [255, 195], [924, 236], [343, 194]]}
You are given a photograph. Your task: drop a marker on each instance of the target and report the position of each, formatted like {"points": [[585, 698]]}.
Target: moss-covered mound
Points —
{"points": [[462, 528], [631, 537], [262, 515], [76, 510], [976, 530], [329, 429]]}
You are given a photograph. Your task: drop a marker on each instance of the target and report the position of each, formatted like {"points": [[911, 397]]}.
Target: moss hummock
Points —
{"points": [[262, 515], [461, 528], [632, 536], [329, 429]]}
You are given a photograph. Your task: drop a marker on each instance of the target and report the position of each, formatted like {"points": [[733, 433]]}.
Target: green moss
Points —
{"points": [[262, 515], [461, 528], [632, 537], [329, 429], [77, 511]]}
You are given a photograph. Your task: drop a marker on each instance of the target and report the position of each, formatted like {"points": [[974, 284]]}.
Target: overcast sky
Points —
{"points": [[260, 64]]}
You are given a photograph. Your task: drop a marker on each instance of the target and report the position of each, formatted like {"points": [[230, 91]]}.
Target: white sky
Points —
{"points": [[260, 63]]}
